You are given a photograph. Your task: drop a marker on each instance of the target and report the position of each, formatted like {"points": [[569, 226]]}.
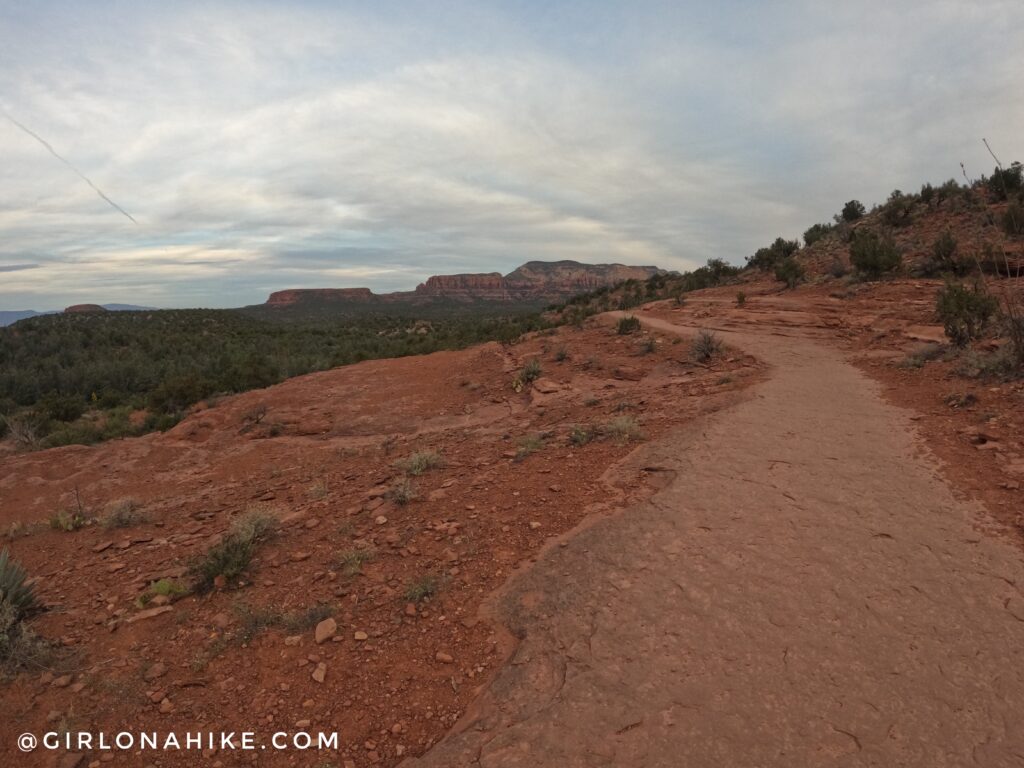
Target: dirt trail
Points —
{"points": [[806, 591]]}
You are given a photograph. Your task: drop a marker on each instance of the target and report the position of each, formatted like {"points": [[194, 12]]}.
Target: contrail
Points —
{"points": [[81, 175]]}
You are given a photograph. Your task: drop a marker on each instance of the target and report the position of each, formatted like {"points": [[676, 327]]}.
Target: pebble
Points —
{"points": [[320, 673], [443, 657]]}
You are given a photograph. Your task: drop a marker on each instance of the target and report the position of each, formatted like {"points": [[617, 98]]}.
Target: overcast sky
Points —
{"points": [[261, 146]]}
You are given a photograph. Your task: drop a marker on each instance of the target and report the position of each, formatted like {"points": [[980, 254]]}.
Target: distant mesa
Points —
{"points": [[85, 309], [536, 282]]}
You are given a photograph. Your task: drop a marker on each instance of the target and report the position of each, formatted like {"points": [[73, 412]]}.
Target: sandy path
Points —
{"points": [[806, 591]]}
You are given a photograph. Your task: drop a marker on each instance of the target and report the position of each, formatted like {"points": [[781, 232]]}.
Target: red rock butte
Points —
{"points": [[535, 281], [85, 308]]}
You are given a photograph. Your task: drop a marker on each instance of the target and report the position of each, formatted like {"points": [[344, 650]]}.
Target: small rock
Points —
{"points": [[325, 631], [380, 520], [293, 640], [61, 682], [156, 670], [320, 673], [534, 525], [360, 636], [410, 609], [166, 707], [443, 657]]}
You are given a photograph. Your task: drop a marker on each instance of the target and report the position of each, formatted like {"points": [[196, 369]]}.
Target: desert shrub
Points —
{"points": [[561, 355], [15, 591], [706, 346], [817, 232], [123, 513], [162, 588], [628, 325], [789, 272], [927, 194], [837, 269], [254, 620], [1013, 219], [580, 434], [741, 298], [56, 407], [898, 209], [19, 646], [423, 588], [419, 462], [766, 258], [529, 373], [528, 445], [852, 211], [945, 255], [232, 555], [68, 520], [622, 428], [1006, 182], [974, 364], [23, 430], [402, 492], [873, 254], [964, 312], [919, 358], [352, 561]]}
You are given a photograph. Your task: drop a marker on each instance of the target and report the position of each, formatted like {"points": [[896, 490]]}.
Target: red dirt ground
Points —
{"points": [[321, 460]]}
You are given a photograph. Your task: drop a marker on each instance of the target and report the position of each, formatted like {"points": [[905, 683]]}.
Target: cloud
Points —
{"points": [[262, 147], [17, 267]]}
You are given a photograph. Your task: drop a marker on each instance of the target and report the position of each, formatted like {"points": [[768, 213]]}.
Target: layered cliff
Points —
{"points": [[537, 282]]}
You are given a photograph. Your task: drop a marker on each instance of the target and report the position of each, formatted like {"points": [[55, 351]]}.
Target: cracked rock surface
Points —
{"points": [[806, 590]]}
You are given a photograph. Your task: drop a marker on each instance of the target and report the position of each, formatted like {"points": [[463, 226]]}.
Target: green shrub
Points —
{"points": [[530, 372], [164, 588], [68, 520], [422, 588], [402, 492], [765, 259], [817, 232], [352, 561], [898, 209], [622, 428], [741, 298], [837, 269], [852, 211], [419, 462], [872, 254], [789, 272], [20, 648], [964, 312], [628, 325], [1006, 182], [528, 445], [706, 346], [15, 591], [945, 255], [230, 558], [580, 434]]}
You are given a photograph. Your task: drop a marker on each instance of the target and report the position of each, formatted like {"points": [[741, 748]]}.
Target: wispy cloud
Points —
{"points": [[262, 146]]}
